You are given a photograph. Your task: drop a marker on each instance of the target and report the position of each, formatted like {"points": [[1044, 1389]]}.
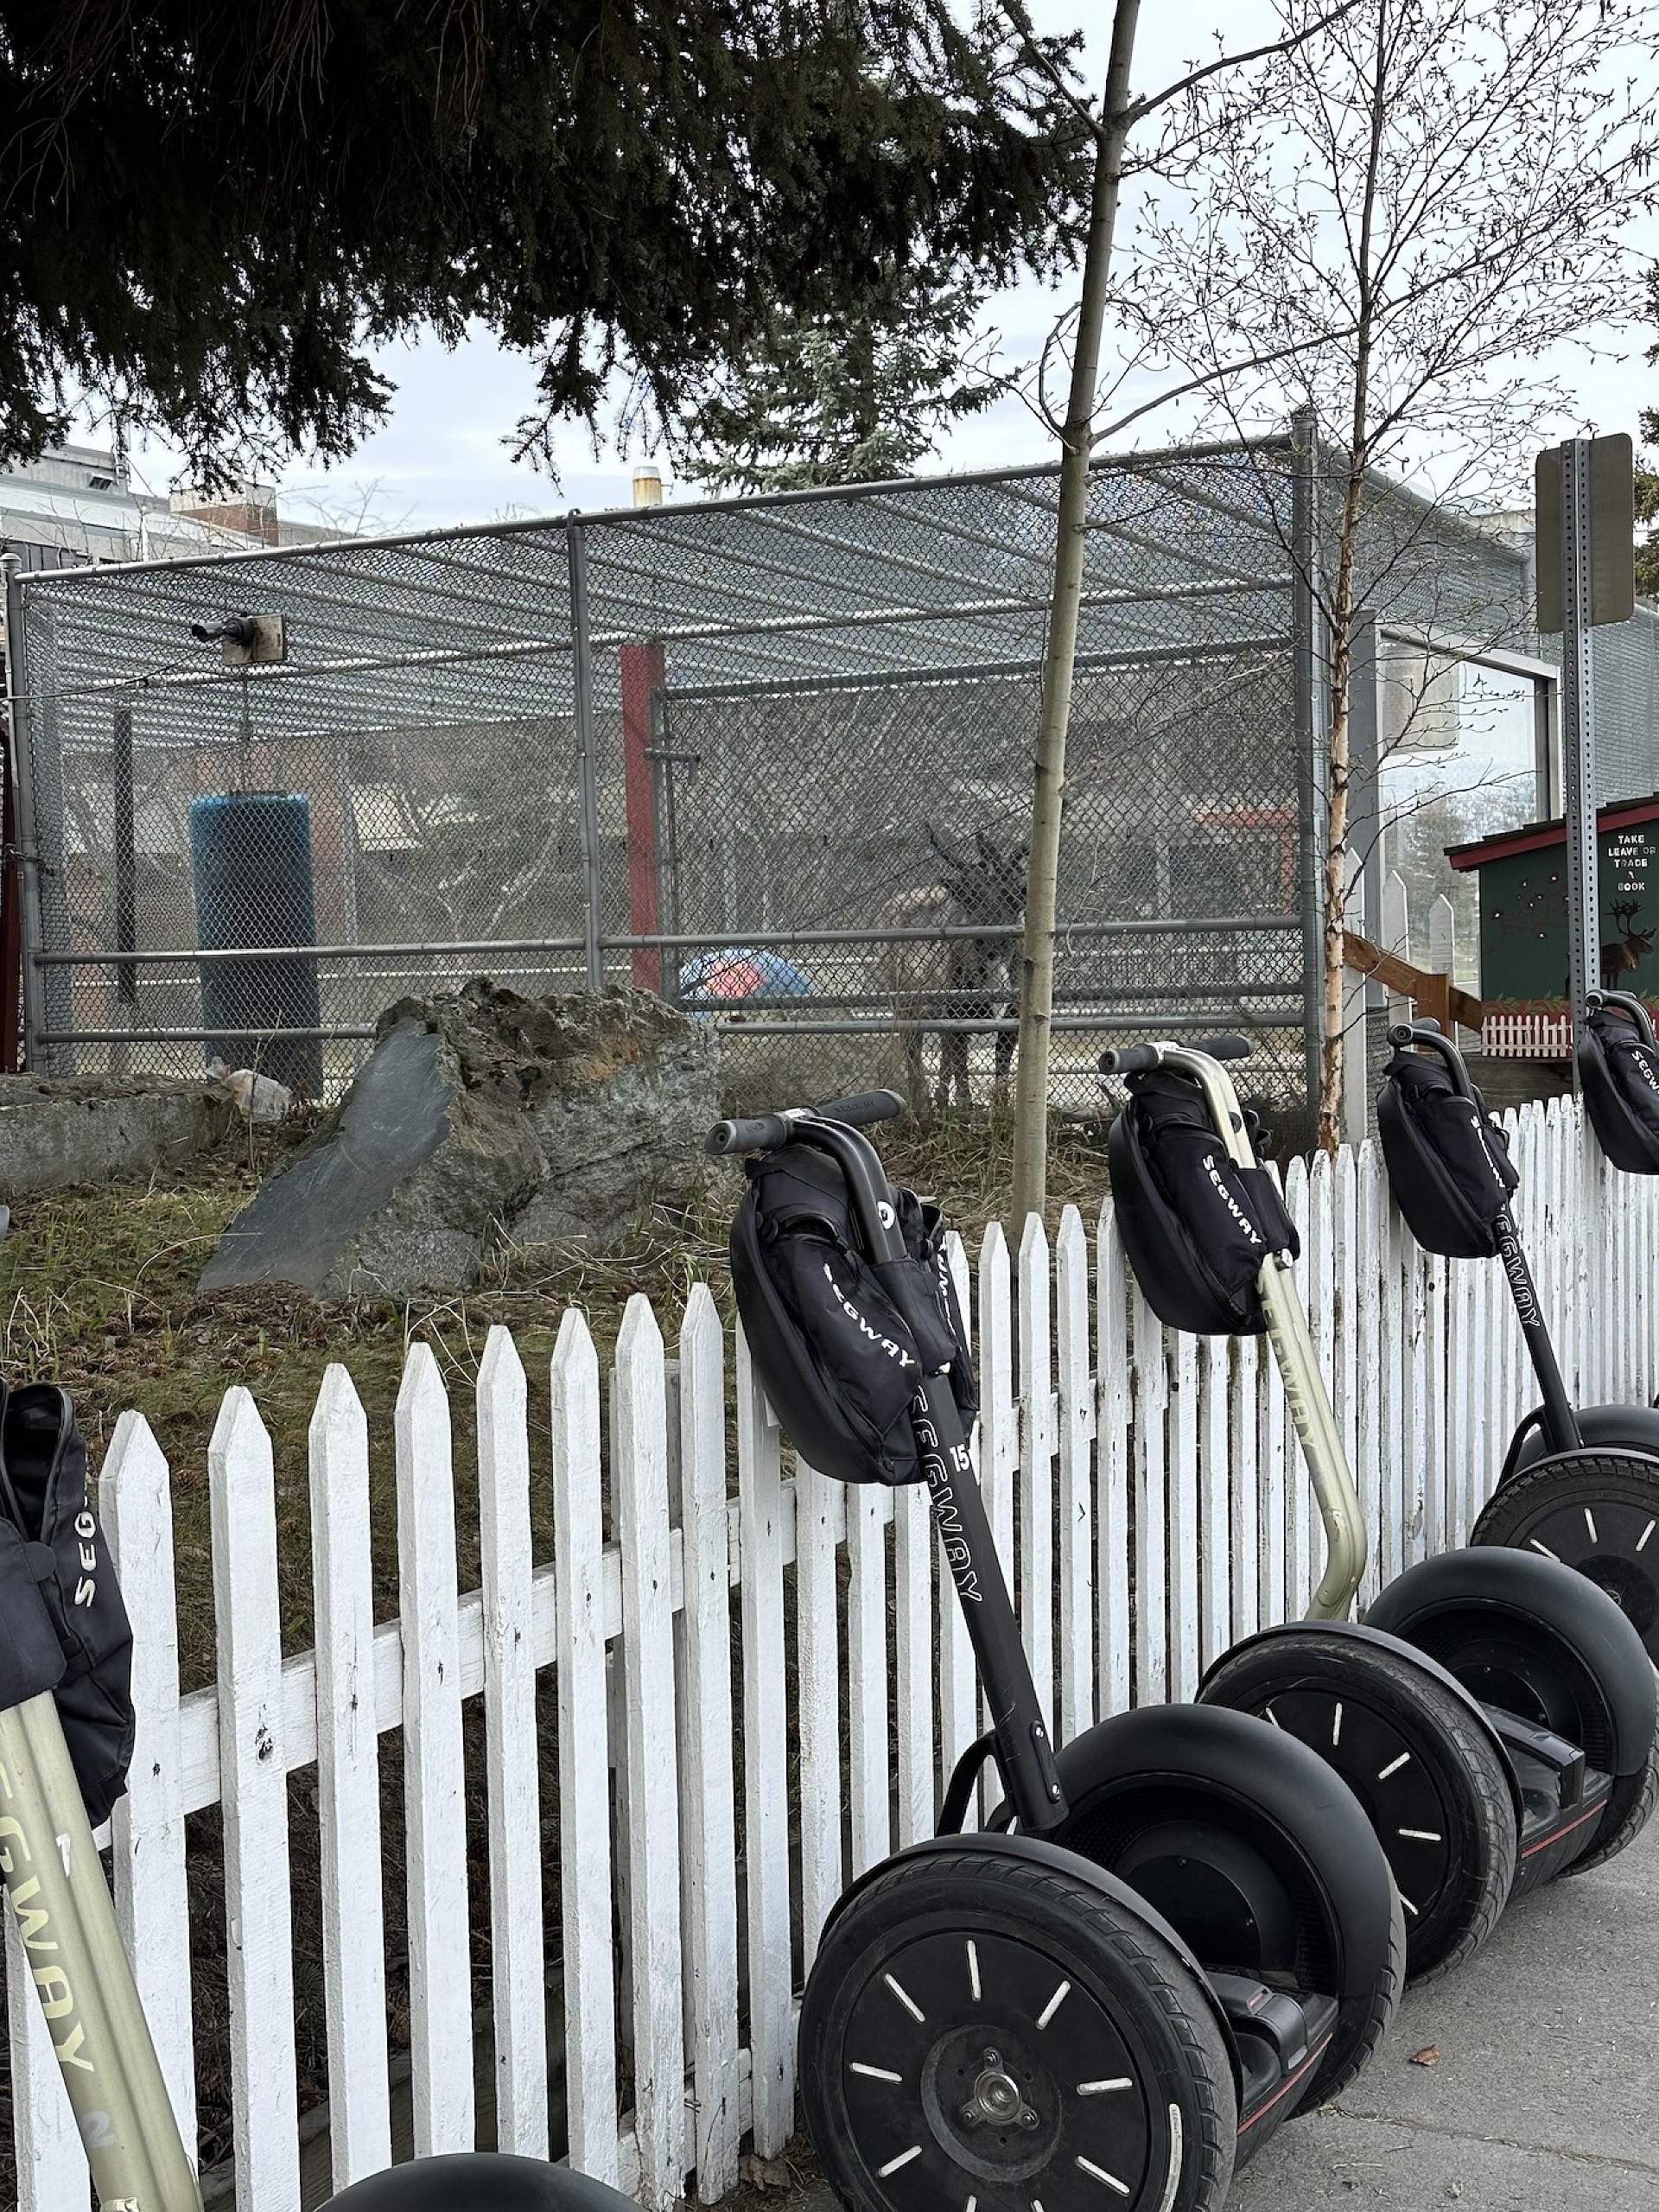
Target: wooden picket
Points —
{"points": [[1147, 1495], [708, 1796], [348, 1779], [253, 1780]]}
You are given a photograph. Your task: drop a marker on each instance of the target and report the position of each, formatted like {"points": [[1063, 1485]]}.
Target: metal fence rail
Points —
{"points": [[769, 757]]}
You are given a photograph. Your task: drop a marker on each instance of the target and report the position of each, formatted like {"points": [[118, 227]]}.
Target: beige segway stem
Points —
{"points": [[66, 1918], [1346, 1544]]}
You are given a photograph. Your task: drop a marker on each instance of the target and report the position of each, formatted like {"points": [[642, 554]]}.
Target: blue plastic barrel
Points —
{"points": [[250, 852]]}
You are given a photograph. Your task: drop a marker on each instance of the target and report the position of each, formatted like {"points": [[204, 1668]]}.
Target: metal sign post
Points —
{"points": [[1586, 525], [1578, 729]]}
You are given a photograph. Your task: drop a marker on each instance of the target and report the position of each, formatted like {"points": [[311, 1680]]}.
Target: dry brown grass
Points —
{"points": [[97, 1290]]}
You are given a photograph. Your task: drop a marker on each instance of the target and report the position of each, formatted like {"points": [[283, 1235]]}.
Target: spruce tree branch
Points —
{"points": [[1023, 28]]}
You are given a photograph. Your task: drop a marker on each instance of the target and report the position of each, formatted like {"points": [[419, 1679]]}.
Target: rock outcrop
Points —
{"points": [[481, 1120]]}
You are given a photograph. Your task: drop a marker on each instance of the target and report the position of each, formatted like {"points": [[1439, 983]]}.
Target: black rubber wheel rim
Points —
{"points": [[990, 2032], [1605, 1526], [1429, 1779]]}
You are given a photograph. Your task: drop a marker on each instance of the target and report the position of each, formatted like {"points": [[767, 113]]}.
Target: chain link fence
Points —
{"points": [[772, 758]]}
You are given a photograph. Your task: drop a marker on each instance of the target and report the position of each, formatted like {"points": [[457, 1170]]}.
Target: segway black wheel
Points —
{"points": [[482, 2182], [1260, 1859], [1426, 1773], [986, 2030], [1529, 1636], [1592, 1510]]}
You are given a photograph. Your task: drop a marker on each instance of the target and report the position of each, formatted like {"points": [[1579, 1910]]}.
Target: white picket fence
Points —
{"points": [[684, 1907], [1532, 1036]]}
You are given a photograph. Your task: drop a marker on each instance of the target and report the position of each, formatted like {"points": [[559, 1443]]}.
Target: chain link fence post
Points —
{"points": [[1312, 695], [22, 785], [587, 769]]}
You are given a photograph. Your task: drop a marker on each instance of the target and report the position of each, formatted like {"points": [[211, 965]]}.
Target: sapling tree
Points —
{"points": [[1129, 134], [1443, 203]]}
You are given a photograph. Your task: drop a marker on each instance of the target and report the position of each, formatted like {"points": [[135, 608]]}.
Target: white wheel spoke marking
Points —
{"points": [[1393, 1766], [1590, 1523], [1547, 1551], [1410, 1908], [903, 2159], [1176, 2148], [906, 2000], [1053, 2005], [1268, 1714], [1421, 1835], [972, 2205], [874, 2073], [973, 1970], [1642, 1541], [1104, 2088], [1100, 2173], [1335, 1726]]}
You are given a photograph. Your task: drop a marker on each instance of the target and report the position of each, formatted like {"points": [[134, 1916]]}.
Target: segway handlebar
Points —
{"points": [[827, 1130], [1629, 1005], [1430, 1035], [1136, 1060], [762, 1132]]}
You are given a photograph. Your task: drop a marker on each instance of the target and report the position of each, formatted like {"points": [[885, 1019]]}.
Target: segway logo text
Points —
{"points": [[1515, 1267], [886, 1344], [40, 1945], [1476, 1116], [1228, 1199], [86, 1588], [947, 1518]]}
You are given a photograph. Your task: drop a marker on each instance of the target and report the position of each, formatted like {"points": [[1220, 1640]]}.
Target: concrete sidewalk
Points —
{"points": [[1545, 2094]]}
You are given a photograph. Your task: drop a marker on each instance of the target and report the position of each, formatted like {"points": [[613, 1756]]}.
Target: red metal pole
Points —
{"points": [[642, 673]]}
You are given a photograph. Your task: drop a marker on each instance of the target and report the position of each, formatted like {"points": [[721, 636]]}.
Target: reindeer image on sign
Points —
{"points": [[1629, 949]]}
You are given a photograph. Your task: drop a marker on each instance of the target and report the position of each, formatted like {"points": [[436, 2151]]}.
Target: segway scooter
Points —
{"points": [[1494, 1715], [1578, 1484], [66, 1737], [1178, 1930]]}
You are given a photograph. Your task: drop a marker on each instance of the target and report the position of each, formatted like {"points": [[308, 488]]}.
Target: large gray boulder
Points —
{"points": [[479, 1121], [56, 1132]]}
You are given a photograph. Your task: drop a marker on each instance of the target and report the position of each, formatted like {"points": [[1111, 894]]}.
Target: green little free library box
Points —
{"points": [[1523, 878]]}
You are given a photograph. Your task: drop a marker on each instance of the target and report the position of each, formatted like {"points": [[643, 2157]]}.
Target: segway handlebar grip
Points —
{"points": [[749, 1133], [1430, 1035], [1130, 1059], [1224, 1048], [861, 1108]]}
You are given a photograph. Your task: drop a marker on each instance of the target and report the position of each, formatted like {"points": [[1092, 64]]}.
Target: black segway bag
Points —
{"points": [[1195, 1226], [839, 1345], [1448, 1161], [63, 1626], [1618, 1074]]}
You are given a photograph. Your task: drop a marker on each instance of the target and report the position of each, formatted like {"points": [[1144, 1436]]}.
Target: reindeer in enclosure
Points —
{"points": [[956, 978], [1630, 948]]}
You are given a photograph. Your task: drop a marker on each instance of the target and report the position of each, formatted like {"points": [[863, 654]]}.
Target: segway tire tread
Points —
{"points": [[1629, 1811], [1332, 2080], [1496, 1816]]}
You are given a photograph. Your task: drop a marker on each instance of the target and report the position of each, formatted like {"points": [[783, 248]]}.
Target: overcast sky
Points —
{"points": [[440, 457]]}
